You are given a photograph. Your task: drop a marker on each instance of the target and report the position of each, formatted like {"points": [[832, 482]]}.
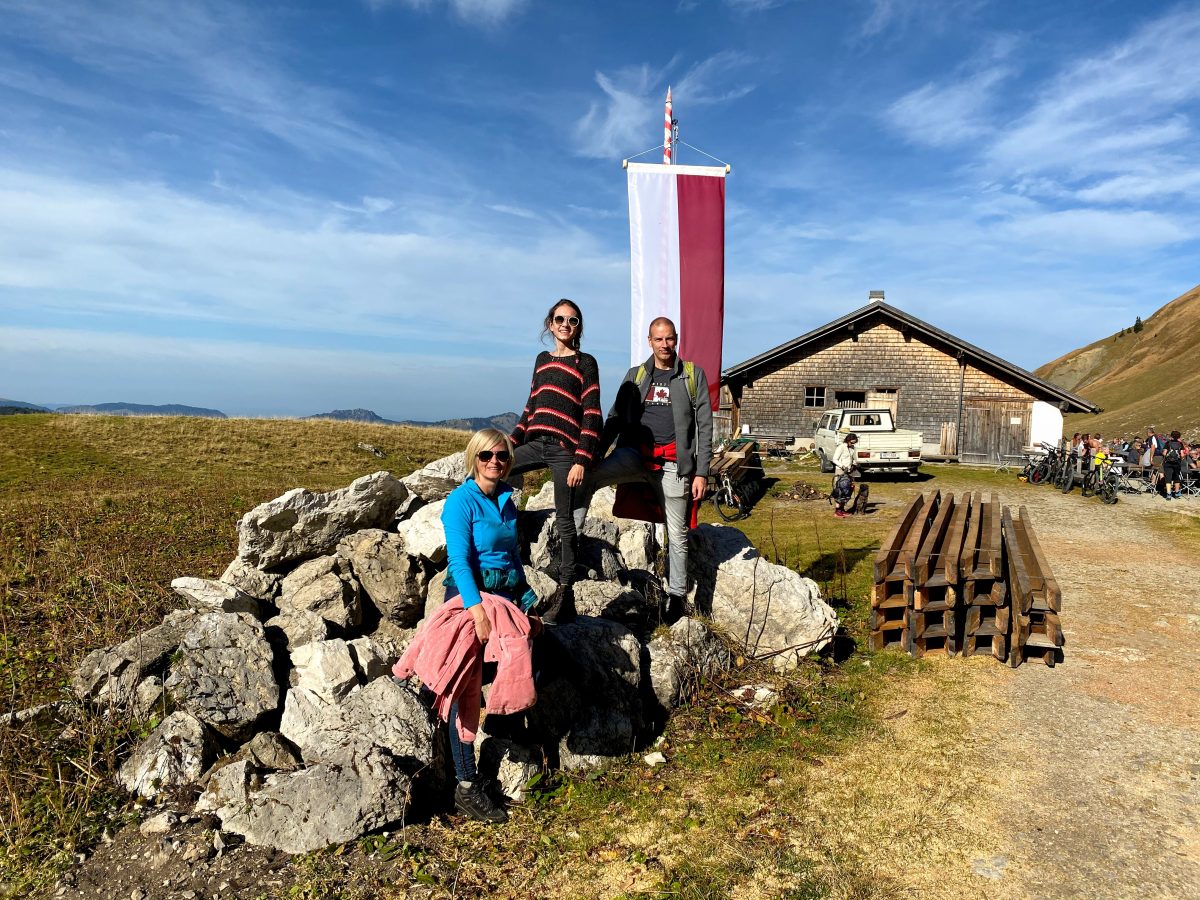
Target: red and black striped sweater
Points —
{"points": [[564, 404]]}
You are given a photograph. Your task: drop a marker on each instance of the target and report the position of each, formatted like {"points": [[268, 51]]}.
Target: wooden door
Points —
{"points": [[884, 399], [978, 427]]}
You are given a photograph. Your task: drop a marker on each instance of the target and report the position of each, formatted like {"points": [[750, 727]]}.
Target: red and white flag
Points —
{"points": [[677, 255]]}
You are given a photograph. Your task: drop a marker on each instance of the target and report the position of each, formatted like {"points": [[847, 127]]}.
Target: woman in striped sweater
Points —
{"points": [[559, 430]]}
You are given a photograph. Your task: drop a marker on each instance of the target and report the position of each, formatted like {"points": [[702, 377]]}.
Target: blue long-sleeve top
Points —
{"points": [[480, 534]]}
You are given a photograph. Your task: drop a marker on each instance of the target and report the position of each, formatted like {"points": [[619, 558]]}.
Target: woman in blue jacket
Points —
{"points": [[480, 521]]}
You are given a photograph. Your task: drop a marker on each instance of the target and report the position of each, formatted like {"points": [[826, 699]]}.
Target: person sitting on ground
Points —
{"points": [[844, 466], [559, 430], [1172, 466], [482, 631]]}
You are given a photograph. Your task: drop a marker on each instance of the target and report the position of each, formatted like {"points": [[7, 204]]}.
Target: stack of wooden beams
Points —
{"points": [[964, 576]]}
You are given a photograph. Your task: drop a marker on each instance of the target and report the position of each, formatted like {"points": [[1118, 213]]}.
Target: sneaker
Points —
{"points": [[560, 608], [841, 514], [472, 800]]}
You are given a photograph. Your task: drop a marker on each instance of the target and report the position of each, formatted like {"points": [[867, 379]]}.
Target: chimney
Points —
{"points": [[875, 297]]}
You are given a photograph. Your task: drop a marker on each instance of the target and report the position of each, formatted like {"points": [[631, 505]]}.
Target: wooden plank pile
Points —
{"points": [[963, 576]]}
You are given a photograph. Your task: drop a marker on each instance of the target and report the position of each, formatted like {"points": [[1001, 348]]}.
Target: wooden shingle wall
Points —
{"points": [[926, 377]]}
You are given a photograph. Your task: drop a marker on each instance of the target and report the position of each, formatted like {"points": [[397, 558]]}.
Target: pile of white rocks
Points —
{"points": [[278, 711]]}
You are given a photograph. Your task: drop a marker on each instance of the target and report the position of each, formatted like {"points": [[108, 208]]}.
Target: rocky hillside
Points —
{"points": [[1139, 378]]}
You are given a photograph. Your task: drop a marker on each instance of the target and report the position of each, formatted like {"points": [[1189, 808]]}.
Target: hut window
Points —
{"points": [[814, 398]]}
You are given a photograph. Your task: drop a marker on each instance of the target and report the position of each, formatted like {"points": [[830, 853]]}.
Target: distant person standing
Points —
{"points": [[845, 462], [559, 430], [1172, 466], [662, 423]]}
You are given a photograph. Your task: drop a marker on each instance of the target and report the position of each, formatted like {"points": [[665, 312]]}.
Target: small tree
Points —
{"points": [[1137, 325]]}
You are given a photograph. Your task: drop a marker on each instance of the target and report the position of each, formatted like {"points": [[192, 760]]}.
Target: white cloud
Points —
{"points": [[631, 110], [212, 55], [140, 249], [1134, 188], [1096, 231], [1108, 113], [956, 113], [519, 211], [707, 82], [473, 12], [625, 118]]}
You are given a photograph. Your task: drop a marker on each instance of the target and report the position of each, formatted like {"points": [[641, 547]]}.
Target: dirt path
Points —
{"points": [[1105, 750]]}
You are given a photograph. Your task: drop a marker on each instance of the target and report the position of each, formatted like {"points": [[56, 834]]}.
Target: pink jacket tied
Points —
{"points": [[446, 656]]}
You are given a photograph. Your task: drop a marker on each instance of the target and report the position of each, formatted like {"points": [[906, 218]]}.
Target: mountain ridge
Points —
{"points": [[1138, 378]]}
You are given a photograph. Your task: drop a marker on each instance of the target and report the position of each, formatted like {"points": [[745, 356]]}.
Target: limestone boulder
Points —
{"points": [[435, 481], [308, 809], [385, 713], [598, 549], [176, 753], [112, 675], [394, 580], [684, 657], [589, 694], [637, 546], [611, 600], [295, 627], [423, 534], [302, 524], [543, 499], [371, 658], [513, 765], [225, 675], [325, 669], [271, 751], [325, 586], [207, 595], [252, 580], [766, 610]]}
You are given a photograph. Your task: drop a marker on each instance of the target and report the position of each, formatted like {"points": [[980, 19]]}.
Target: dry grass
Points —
{"points": [[97, 515]]}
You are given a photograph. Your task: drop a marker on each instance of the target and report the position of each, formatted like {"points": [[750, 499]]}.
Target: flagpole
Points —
{"points": [[668, 130]]}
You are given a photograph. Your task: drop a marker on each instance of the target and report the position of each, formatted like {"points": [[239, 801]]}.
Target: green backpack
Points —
{"points": [[689, 369]]}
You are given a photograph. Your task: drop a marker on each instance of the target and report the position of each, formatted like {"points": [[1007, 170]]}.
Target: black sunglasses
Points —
{"points": [[502, 456], [573, 321]]}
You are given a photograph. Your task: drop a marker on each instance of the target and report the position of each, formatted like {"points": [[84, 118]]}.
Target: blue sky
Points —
{"points": [[279, 209]]}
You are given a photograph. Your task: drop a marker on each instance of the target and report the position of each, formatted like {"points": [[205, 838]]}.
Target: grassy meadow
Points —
{"points": [[98, 514]]}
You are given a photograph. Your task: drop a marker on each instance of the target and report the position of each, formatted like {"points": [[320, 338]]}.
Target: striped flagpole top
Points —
{"points": [[667, 130]]}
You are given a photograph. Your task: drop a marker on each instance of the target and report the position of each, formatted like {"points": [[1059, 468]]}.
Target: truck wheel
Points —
{"points": [[913, 471], [826, 465]]}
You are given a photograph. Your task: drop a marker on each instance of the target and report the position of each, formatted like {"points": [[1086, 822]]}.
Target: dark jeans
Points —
{"points": [[547, 454], [462, 753]]}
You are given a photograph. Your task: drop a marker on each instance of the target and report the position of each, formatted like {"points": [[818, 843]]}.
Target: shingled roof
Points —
{"points": [[863, 317]]}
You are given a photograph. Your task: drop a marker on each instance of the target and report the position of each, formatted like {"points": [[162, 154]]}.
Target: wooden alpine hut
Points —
{"points": [[967, 403]]}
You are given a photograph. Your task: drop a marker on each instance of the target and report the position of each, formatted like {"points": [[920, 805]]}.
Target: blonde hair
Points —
{"points": [[486, 439]]}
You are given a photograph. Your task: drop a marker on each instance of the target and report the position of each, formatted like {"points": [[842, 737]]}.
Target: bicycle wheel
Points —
{"points": [[1109, 489], [1067, 480], [1089, 484], [1039, 472], [728, 503]]}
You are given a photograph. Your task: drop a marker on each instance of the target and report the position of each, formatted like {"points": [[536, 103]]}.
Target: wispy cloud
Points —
{"points": [[896, 17], [960, 110], [211, 55], [709, 81], [631, 108], [1112, 111], [472, 12]]}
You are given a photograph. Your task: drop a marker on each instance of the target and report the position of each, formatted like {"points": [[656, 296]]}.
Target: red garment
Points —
{"points": [[446, 656], [639, 501]]}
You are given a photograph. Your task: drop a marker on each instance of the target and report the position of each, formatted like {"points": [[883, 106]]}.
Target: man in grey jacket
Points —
{"points": [[662, 423]]}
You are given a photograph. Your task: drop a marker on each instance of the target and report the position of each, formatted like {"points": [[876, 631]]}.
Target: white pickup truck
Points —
{"points": [[881, 445]]}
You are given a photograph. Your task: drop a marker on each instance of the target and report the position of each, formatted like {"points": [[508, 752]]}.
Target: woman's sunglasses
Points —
{"points": [[502, 456], [573, 321]]}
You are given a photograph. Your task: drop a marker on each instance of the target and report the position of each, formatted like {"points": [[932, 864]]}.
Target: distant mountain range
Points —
{"points": [[17, 407], [141, 409], [504, 421]]}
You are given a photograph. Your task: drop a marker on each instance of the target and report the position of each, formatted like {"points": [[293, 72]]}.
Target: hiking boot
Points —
{"points": [[560, 608], [674, 608], [471, 799]]}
